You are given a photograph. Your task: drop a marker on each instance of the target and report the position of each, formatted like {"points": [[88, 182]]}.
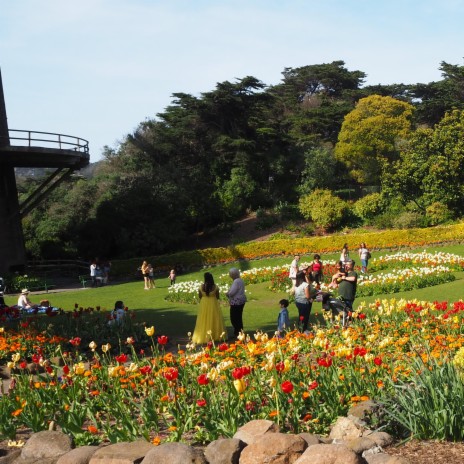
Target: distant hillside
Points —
{"points": [[24, 173]]}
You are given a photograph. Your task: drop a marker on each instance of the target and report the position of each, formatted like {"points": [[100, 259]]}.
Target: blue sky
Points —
{"points": [[97, 68]]}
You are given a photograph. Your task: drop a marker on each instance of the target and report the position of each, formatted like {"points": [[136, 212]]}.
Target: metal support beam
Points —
{"points": [[47, 186]]}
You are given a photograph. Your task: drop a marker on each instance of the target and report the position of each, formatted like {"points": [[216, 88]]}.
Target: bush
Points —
{"points": [[265, 220], [287, 211], [323, 208], [438, 213], [369, 206], [409, 220]]}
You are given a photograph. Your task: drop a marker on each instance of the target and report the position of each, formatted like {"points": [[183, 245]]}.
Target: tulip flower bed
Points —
{"points": [[302, 382], [400, 280], [406, 259], [187, 292]]}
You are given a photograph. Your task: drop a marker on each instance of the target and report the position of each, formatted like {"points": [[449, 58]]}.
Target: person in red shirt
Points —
{"points": [[316, 271]]}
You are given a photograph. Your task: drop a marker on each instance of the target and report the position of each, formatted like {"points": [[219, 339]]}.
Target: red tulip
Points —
{"points": [[287, 386], [203, 379], [201, 403], [171, 374], [163, 340], [76, 341], [122, 358]]}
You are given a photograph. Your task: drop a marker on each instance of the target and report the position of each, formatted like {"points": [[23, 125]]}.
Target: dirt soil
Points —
{"points": [[243, 230], [429, 452]]}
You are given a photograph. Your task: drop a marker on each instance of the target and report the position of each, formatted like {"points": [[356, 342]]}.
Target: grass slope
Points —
{"points": [[176, 320]]}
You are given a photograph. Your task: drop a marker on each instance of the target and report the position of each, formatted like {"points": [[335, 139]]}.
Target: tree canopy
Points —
{"points": [[207, 159]]}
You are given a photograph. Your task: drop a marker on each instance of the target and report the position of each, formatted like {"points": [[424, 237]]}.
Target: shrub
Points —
{"points": [[438, 213], [409, 220], [323, 208], [369, 206], [265, 220]]}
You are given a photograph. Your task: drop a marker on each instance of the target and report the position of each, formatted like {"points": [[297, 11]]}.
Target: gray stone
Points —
{"points": [[383, 458], [310, 438], [381, 438], [363, 409], [121, 453], [360, 444], [224, 451], [79, 455], [46, 444], [174, 453], [345, 428], [274, 448], [329, 454], [254, 429], [8, 457]]}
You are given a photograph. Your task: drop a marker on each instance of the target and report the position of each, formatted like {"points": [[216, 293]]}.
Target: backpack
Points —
{"points": [[369, 255]]}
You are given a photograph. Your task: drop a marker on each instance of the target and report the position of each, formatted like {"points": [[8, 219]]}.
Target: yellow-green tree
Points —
{"points": [[370, 136]]}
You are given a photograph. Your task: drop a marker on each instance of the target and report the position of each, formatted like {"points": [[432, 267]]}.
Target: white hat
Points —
{"points": [[24, 291]]}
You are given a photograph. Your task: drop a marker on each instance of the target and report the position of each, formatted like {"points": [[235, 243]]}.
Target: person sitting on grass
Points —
{"points": [[24, 302], [118, 314]]}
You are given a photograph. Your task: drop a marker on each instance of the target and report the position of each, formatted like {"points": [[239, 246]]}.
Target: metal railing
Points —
{"points": [[28, 138]]}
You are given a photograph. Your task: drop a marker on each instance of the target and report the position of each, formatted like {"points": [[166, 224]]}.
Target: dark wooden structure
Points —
{"points": [[24, 148]]}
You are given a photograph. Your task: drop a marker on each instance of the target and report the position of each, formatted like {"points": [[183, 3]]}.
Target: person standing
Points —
{"points": [[348, 283], [94, 273], [146, 275], [345, 254], [316, 271], [303, 299], [283, 320], [210, 321], [151, 276], [294, 268], [172, 276], [237, 300], [364, 255]]}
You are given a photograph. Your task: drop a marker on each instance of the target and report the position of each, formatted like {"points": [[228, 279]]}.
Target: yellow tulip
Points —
{"points": [[79, 368], [150, 331], [15, 357], [239, 385], [93, 346], [106, 347]]}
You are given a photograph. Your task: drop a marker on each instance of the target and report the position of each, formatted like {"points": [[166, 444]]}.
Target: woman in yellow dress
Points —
{"points": [[210, 321]]}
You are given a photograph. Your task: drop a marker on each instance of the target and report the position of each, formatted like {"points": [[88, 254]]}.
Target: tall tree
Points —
{"points": [[431, 166], [370, 136]]}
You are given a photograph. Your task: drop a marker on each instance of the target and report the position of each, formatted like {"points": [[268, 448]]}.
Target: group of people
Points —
{"points": [[99, 272], [307, 282], [210, 320], [148, 274]]}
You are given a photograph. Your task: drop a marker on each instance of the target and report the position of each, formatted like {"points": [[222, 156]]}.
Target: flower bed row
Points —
{"points": [[390, 239], [303, 382]]}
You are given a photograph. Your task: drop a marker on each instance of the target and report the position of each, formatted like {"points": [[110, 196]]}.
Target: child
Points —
{"points": [[172, 276], [283, 320], [316, 271], [151, 276], [118, 313], [336, 278]]}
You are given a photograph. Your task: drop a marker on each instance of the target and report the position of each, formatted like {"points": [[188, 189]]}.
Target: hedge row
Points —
{"points": [[383, 240]]}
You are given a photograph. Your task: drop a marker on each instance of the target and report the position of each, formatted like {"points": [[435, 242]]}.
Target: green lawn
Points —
{"points": [[176, 320]]}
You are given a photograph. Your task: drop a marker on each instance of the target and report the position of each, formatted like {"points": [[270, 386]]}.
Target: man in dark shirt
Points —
{"points": [[347, 287]]}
